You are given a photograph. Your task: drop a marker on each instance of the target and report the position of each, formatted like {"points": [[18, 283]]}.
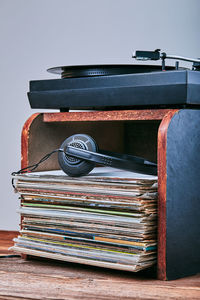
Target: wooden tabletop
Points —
{"points": [[35, 279]]}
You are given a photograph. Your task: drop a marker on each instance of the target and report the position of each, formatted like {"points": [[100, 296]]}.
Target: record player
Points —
{"points": [[127, 86], [136, 125]]}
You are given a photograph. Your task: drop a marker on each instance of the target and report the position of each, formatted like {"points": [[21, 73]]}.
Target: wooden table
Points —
{"points": [[34, 279]]}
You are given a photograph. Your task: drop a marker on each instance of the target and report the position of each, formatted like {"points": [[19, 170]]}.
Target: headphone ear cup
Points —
{"points": [[73, 166]]}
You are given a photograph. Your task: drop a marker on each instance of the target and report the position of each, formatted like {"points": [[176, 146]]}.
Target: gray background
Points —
{"points": [[37, 34]]}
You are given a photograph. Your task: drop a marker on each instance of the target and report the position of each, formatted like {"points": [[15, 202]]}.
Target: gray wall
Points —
{"points": [[37, 34]]}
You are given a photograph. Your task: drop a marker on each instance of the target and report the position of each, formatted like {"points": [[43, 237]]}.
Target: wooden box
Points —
{"points": [[170, 137]]}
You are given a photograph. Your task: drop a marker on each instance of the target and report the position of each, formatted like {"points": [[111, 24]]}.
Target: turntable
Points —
{"points": [[132, 86], [167, 137]]}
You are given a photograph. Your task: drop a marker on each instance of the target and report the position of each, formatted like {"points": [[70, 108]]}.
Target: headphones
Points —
{"points": [[79, 153]]}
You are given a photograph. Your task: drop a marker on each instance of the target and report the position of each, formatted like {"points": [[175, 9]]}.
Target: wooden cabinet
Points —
{"points": [[170, 137]]}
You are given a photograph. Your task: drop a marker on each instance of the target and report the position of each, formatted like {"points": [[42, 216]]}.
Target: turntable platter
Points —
{"points": [[103, 70]]}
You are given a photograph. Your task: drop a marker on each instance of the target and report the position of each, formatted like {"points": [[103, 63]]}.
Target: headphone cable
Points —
{"points": [[31, 168]]}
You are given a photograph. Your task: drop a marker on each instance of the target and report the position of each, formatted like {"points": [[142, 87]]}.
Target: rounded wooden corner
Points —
{"points": [[162, 184], [25, 138]]}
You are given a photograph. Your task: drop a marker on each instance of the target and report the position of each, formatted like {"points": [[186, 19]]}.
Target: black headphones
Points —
{"points": [[80, 154]]}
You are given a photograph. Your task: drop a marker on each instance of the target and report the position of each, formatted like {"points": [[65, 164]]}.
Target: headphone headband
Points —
{"points": [[80, 154], [114, 160]]}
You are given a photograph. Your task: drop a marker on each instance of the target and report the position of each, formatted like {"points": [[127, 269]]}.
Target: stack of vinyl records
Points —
{"points": [[107, 218]]}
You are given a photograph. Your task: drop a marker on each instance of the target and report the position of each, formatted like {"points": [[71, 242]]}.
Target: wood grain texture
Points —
{"points": [[48, 280], [25, 279], [118, 115], [25, 140], [6, 241], [162, 183]]}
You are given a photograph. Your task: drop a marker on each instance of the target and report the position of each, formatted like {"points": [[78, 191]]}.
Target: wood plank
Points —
{"points": [[118, 115], [25, 140], [6, 241], [43, 279]]}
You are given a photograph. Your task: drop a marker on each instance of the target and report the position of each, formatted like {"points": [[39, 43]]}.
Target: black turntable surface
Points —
{"points": [[104, 70], [116, 87]]}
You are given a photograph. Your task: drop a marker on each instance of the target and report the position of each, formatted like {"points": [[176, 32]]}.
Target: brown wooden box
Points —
{"points": [[138, 132]]}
